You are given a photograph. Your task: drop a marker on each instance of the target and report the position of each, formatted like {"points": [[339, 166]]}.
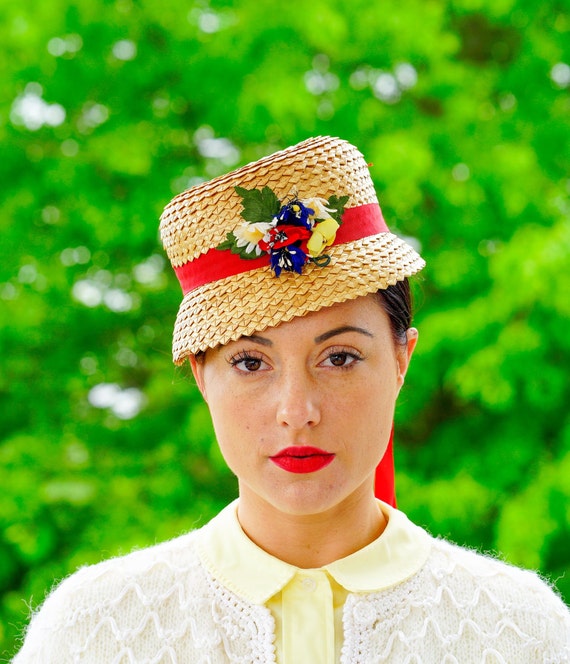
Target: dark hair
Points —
{"points": [[397, 303]]}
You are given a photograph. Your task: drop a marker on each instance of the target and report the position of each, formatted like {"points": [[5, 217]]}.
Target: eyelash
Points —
{"points": [[352, 354], [252, 356], [243, 356]]}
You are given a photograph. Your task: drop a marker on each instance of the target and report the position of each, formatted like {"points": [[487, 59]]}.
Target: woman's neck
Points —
{"points": [[315, 540]]}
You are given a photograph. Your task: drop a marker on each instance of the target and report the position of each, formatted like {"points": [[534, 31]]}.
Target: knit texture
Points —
{"points": [[160, 606]]}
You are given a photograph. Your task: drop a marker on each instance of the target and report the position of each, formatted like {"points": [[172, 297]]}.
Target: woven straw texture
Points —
{"points": [[200, 218], [224, 310]]}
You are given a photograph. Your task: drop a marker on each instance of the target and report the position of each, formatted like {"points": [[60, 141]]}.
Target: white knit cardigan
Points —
{"points": [[160, 606]]}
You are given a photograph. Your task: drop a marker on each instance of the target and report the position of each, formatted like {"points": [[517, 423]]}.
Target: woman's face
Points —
{"points": [[302, 411]]}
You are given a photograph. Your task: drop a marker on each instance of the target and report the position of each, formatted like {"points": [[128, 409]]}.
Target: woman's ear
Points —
{"points": [[197, 365], [404, 354]]}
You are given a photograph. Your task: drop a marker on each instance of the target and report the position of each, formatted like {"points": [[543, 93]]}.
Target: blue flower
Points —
{"points": [[291, 234], [295, 213], [290, 259]]}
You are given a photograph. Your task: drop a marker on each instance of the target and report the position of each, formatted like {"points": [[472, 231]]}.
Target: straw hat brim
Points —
{"points": [[227, 309]]}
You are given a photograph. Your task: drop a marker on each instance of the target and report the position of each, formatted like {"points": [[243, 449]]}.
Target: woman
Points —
{"points": [[296, 323]]}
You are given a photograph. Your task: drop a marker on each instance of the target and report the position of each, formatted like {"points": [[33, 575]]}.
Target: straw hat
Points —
{"points": [[289, 234]]}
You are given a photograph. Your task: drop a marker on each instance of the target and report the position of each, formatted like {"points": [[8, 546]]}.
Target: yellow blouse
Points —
{"points": [[307, 604]]}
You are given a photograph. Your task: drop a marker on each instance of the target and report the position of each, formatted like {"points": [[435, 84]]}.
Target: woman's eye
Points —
{"points": [[341, 359], [246, 363], [251, 364]]}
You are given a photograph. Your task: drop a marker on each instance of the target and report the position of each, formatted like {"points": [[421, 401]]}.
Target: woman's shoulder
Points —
{"points": [[463, 565], [151, 564], [114, 596], [462, 605], [469, 574], [477, 584]]}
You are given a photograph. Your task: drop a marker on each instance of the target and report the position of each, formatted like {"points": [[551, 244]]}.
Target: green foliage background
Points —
{"points": [[461, 107]]}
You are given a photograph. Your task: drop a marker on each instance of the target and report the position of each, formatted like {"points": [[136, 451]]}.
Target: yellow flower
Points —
{"points": [[323, 236]]}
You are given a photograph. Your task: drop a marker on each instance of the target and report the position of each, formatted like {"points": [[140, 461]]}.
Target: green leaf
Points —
{"points": [[247, 255], [228, 243], [338, 204], [258, 204]]}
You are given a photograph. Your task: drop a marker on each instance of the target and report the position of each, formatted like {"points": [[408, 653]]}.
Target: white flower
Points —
{"points": [[319, 205], [248, 235]]}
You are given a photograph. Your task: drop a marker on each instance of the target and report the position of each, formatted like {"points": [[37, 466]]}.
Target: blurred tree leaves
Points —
{"points": [[109, 108]]}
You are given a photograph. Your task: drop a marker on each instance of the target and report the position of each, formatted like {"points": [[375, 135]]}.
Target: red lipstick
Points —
{"points": [[302, 459]]}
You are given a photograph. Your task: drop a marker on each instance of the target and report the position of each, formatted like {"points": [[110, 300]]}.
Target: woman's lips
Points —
{"points": [[302, 459]]}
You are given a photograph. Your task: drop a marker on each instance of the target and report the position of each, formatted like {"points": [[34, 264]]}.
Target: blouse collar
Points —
{"points": [[252, 573]]}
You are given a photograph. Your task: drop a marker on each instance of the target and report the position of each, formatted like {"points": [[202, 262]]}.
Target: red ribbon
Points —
{"points": [[357, 223], [384, 484]]}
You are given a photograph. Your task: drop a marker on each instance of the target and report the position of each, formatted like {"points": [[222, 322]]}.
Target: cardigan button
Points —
{"points": [[364, 614]]}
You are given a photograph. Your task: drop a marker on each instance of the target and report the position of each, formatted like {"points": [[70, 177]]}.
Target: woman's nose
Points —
{"points": [[298, 402]]}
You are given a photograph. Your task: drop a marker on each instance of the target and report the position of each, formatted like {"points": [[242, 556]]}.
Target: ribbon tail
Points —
{"points": [[384, 484]]}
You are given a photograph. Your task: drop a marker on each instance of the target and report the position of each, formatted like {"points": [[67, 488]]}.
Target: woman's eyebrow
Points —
{"points": [[259, 340], [341, 330]]}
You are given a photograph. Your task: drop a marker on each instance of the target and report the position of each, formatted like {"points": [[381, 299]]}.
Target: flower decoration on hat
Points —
{"points": [[291, 234]]}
